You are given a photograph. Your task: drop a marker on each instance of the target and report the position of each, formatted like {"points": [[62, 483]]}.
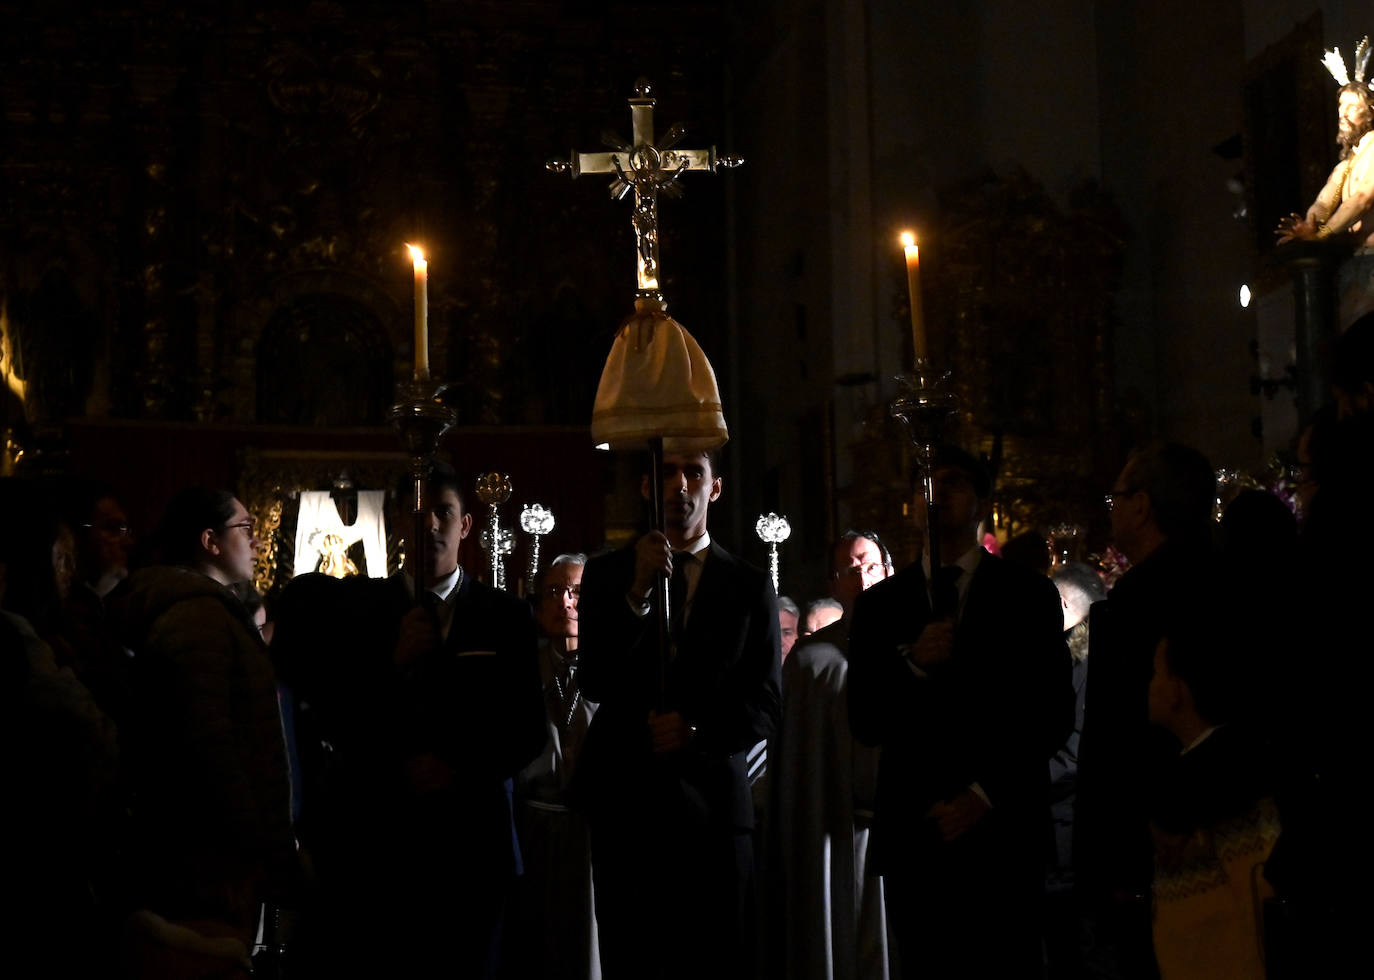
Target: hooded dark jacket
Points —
{"points": [[205, 750]]}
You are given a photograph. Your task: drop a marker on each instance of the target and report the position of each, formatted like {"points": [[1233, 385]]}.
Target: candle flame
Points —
{"points": [[908, 239], [417, 255]]}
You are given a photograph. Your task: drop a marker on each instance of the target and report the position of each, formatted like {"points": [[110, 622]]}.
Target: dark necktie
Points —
{"points": [[944, 591], [677, 591]]}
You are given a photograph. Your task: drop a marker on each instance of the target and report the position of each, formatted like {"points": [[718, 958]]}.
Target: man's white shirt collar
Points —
{"points": [[697, 545], [444, 587]]}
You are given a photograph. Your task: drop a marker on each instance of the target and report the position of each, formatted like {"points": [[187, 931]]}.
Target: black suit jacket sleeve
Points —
{"points": [[993, 714], [744, 709], [1028, 711], [881, 684], [478, 701], [618, 655], [726, 679]]}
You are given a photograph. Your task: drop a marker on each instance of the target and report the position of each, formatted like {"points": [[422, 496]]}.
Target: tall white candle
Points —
{"points": [[417, 255], [913, 288]]}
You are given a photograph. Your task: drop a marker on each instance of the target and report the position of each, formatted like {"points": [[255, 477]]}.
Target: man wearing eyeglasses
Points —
{"points": [[1161, 515], [554, 895]]}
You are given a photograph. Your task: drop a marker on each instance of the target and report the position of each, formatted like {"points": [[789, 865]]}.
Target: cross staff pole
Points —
{"points": [[665, 612], [646, 167]]}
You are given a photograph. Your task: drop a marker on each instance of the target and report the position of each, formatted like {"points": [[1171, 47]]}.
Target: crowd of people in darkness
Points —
{"points": [[1003, 766]]}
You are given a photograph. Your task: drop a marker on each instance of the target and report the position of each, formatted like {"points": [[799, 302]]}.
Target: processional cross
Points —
{"points": [[646, 167], [657, 384]]}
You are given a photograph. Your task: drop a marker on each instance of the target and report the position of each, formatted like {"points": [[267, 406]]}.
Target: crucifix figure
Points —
{"points": [[646, 168]]}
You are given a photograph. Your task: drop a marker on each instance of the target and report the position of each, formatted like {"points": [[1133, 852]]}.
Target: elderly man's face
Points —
{"points": [[557, 613], [787, 627]]}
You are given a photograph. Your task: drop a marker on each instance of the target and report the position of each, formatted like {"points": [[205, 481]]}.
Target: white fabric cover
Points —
{"points": [[657, 382], [318, 516]]}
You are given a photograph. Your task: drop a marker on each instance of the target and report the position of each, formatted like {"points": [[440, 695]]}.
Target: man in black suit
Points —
{"points": [[427, 709], [663, 778], [1161, 511], [968, 703]]}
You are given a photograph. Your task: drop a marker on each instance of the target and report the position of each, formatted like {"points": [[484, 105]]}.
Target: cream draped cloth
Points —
{"points": [[657, 383]]}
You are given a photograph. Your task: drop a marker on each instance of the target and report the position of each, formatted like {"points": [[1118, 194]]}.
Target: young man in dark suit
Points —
{"points": [[968, 697], [663, 777], [428, 709]]}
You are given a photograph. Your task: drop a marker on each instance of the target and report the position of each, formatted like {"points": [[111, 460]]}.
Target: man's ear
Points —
{"points": [[465, 527], [209, 541], [716, 484], [1143, 507]]}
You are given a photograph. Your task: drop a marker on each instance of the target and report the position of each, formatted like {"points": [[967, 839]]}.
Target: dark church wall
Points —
{"points": [[203, 207]]}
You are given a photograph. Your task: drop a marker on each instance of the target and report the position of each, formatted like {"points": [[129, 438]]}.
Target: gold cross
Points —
{"points": [[646, 168]]}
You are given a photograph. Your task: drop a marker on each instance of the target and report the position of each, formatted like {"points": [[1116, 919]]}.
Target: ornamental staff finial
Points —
{"points": [[774, 530], [494, 489], [536, 522]]}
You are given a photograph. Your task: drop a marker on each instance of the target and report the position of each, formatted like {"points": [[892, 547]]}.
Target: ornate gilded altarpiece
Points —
{"points": [[1019, 309], [203, 212], [203, 207]]}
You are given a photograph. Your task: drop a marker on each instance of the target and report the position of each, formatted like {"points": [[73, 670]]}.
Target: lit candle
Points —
{"points": [[913, 288], [417, 255]]}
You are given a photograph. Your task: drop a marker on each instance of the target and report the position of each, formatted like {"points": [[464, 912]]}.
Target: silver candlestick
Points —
{"points": [[773, 530], [926, 401], [421, 419]]}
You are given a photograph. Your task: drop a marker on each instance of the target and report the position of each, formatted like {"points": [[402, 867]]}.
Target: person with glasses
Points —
{"points": [[553, 932], [213, 840], [1162, 506]]}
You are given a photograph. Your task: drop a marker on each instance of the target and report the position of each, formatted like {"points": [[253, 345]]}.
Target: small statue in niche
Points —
{"points": [[1345, 206], [334, 560]]}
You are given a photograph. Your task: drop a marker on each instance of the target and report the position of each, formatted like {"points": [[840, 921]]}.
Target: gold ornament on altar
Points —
{"points": [[334, 560]]}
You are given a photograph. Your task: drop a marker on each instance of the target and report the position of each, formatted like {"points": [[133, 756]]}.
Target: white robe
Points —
{"points": [[319, 516], [553, 924], [827, 912]]}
